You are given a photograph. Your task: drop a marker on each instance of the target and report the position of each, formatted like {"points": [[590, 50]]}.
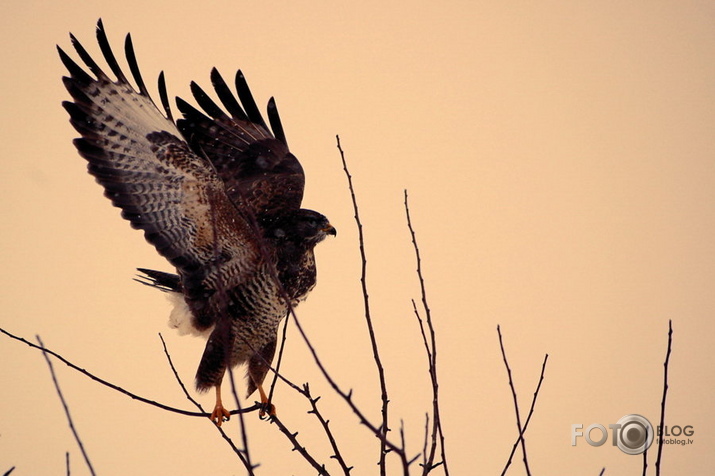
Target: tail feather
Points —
{"points": [[166, 282]]}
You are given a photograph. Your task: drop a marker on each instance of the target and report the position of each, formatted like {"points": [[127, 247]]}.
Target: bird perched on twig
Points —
{"points": [[217, 193]]}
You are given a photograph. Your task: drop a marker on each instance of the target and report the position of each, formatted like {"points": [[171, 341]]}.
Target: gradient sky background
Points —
{"points": [[560, 160]]}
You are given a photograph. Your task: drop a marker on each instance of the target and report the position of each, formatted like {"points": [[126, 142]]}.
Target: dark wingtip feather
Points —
{"points": [[91, 64], [74, 88], [164, 97], [249, 104], [192, 117], [77, 73], [206, 103], [108, 53], [187, 109], [275, 119], [226, 96], [69, 105], [76, 113], [134, 66], [87, 149]]}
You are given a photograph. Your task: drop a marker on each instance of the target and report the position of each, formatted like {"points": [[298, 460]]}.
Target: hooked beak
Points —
{"points": [[329, 230]]}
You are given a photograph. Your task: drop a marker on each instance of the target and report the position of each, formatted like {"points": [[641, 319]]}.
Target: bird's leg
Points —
{"points": [[220, 414], [258, 366], [265, 404]]}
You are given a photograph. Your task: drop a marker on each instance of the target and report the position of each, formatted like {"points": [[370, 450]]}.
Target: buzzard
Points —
{"points": [[217, 193]]}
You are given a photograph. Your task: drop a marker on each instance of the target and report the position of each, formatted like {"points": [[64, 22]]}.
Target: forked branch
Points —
{"points": [[431, 351], [520, 438], [516, 403]]}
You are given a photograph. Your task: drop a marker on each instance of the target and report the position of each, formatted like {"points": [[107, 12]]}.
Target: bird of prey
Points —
{"points": [[218, 194]]}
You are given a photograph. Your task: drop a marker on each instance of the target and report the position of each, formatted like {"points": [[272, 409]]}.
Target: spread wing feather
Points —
{"points": [[260, 173], [163, 187]]}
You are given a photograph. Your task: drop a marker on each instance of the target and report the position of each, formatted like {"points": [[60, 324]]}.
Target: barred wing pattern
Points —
{"points": [[163, 188]]}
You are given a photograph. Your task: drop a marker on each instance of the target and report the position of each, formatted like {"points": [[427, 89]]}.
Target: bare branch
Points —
{"points": [[658, 459], [226, 438], [403, 443], [241, 421], [65, 407], [176, 375], [347, 397], [292, 437], [384, 428], [325, 424], [111, 385], [528, 418], [426, 438], [431, 349], [516, 406], [281, 348]]}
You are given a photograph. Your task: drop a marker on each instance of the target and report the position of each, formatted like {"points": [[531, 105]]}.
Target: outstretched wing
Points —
{"points": [[161, 185], [259, 171]]}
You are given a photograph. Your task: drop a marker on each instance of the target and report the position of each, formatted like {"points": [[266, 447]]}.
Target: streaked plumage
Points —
{"points": [[217, 194]]}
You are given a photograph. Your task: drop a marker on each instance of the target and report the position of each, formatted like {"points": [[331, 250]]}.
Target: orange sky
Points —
{"points": [[560, 164]]}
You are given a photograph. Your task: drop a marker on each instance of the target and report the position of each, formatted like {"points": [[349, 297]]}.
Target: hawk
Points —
{"points": [[218, 193]]}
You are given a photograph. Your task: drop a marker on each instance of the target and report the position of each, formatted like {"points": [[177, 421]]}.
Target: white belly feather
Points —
{"points": [[181, 318]]}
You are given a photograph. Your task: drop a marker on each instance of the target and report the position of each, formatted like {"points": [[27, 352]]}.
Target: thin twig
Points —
{"points": [[528, 418], [384, 428], [431, 349], [516, 404], [226, 438], [281, 348], [424, 444], [241, 421], [66, 408], [662, 403], [108, 384], [325, 424], [176, 375], [347, 397], [292, 437], [428, 463], [7, 473]]}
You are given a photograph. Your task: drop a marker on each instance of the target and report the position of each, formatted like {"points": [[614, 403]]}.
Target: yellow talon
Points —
{"points": [[266, 405], [220, 414]]}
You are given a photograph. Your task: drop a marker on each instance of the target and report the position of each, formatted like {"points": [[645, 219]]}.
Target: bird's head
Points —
{"points": [[305, 226]]}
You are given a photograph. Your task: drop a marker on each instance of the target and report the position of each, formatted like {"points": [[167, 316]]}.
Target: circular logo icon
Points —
{"points": [[635, 434]]}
